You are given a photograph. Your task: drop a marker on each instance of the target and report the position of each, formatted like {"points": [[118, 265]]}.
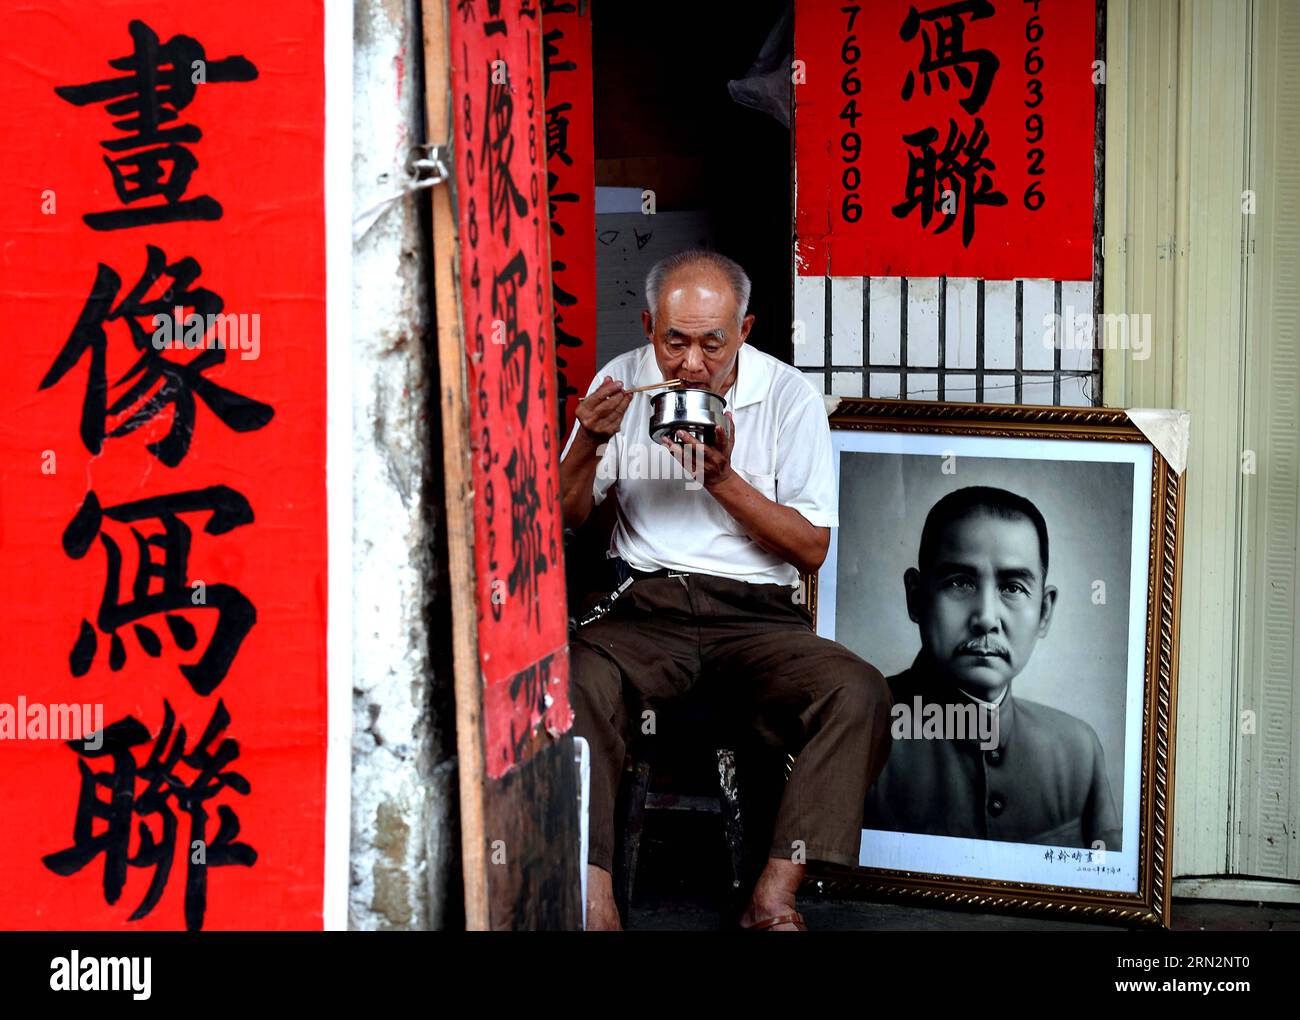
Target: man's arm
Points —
{"points": [[781, 530], [599, 416], [577, 476]]}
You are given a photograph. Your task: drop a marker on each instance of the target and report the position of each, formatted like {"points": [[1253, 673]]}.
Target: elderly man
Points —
{"points": [[714, 537]]}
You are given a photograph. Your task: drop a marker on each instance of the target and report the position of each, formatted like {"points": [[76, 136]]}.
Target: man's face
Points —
{"points": [[695, 332], [981, 604]]}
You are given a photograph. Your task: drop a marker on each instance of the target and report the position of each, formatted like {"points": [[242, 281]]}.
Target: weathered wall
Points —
{"points": [[404, 855]]}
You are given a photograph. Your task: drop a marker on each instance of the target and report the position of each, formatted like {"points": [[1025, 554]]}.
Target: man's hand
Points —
{"points": [[707, 463], [601, 413], [779, 529]]}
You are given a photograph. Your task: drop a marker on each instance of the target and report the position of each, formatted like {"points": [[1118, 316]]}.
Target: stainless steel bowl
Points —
{"points": [[691, 409]]}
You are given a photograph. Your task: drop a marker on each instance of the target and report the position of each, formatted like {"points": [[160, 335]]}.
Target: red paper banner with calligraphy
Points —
{"points": [[162, 450], [571, 182], [506, 315], [945, 138]]}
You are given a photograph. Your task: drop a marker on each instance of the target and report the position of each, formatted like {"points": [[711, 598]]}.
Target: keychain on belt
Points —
{"points": [[603, 607]]}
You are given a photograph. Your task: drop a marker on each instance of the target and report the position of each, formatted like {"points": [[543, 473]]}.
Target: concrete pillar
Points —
{"points": [[404, 855]]}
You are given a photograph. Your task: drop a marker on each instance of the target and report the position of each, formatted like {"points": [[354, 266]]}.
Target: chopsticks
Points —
{"points": [[667, 384]]}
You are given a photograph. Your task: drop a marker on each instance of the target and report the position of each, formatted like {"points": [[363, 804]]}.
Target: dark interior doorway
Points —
{"points": [[664, 120]]}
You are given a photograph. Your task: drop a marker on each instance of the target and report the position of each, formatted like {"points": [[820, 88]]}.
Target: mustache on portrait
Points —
{"points": [[982, 646]]}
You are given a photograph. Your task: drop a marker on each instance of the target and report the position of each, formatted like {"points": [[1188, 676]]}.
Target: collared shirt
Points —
{"points": [[981, 701], [1044, 783], [666, 519]]}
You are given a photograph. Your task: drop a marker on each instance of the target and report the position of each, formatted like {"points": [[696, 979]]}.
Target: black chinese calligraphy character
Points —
{"points": [[495, 155], [953, 177], [948, 51], [563, 338], [517, 358], [156, 381], [550, 63], [557, 133], [497, 26], [165, 794], [531, 687], [527, 547], [161, 80], [562, 299], [555, 198], [227, 510]]}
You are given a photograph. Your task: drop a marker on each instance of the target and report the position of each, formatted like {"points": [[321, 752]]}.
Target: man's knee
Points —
{"points": [[861, 691]]}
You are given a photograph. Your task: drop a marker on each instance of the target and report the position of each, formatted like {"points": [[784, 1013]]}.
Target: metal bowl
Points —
{"points": [[691, 409]]}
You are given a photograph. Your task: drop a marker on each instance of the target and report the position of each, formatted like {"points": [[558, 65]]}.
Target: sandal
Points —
{"points": [[768, 923]]}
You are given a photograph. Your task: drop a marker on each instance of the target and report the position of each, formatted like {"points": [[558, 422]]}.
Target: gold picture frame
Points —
{"points": [[1147, 904]]}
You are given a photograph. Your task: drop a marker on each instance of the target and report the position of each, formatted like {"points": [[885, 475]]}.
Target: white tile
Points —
{"points": [[846, 384], [846, 320], [886, 319], [1076, 320], [923, 321], [1038, 334], [922, 386], [1000, 324], [959, 387], [960, 323], [884, 384], [1036, 390], [999, 389], [1076, 391], [809, 333]]}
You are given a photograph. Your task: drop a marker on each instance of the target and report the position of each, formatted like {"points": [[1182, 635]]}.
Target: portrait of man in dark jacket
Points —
{"points": [[981, 602]]}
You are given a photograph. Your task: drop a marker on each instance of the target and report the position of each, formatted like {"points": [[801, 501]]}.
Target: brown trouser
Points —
{"points": [[801, 692]]}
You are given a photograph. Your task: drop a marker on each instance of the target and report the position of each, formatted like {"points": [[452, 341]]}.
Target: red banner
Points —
{"points": [[506, 313], [945, 139], [162, 449], [571, 184]]}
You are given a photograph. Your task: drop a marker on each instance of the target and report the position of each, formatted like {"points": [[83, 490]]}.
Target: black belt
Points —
{"points": [[646, 575], [620, 570]]}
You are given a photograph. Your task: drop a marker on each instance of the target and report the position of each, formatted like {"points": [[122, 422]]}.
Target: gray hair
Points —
{"points": [[669, 264]]}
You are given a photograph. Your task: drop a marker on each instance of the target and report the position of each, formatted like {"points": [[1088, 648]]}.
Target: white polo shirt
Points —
{"points": [[667, 519]]}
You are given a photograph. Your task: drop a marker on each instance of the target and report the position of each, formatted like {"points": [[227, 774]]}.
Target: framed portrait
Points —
{"points": [[1013, 572]]}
